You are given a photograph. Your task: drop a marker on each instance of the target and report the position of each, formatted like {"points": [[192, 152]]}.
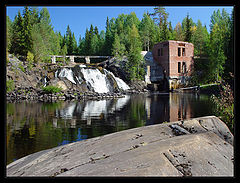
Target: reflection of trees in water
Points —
{"points": [[32, 127], [159, 108]]}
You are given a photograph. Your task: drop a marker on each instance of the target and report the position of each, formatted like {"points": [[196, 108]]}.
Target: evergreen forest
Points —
{"points": [[31, 36]]}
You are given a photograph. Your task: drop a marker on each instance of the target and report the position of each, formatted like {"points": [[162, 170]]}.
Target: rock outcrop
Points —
{"points": [[197, 147]]}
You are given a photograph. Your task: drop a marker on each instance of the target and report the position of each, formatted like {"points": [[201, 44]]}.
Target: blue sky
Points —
{"points": [[81, 17]]}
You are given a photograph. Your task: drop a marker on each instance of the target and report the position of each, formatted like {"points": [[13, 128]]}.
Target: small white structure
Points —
{"points": [[154, 72]]}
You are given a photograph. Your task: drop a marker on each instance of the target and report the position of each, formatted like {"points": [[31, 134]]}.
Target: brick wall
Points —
{"points": [[166, 54]]}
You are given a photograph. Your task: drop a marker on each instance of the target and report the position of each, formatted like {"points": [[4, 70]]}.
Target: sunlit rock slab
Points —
{"points": [[196, 147]]}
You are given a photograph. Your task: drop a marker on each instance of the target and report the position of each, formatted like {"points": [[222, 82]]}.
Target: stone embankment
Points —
{"points": [[197, 147], [35, 94]]}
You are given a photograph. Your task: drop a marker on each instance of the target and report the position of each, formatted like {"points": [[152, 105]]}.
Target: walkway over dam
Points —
{"points": [[87, 58]]}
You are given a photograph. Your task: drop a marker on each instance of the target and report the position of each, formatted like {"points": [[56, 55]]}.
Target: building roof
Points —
{"points": [[173, 41]]}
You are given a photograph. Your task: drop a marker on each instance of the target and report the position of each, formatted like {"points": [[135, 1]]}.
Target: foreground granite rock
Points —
{"points": [[197, 147]]}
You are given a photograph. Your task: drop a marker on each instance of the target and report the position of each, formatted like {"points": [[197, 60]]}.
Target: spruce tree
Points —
{"points": [[27, 28], [188, 32], [17, 45], [108, 40]]}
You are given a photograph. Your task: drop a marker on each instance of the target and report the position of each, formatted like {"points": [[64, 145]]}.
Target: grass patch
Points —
{"points": [[10, 86], [52, 89]]}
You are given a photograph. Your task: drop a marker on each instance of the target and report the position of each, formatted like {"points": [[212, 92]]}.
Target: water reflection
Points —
{"points": [[32, 127]]}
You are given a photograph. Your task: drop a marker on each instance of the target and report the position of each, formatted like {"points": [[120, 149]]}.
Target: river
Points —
{"points": [[35, 126]]}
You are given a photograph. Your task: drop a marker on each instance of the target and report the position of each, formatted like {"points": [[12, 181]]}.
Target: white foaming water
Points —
{"points": [[68, 74], [121, 84], [93, 77], [96, 79]]}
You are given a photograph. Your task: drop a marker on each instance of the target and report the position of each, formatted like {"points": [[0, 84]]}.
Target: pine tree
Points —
{"points": [[178, 33], [43, 36], [108, 40], [164, 31], [69, 41], [134, 64], [146, 27], [27, 28], [217, 57], [8, 33], [197, 39], [17, 45], [171, 34], [74, 44], [87, 43], [118, 49], [188, 32], [160, 17]]}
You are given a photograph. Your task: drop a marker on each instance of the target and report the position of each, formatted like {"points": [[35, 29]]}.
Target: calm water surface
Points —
{"points": [[35, 126]]}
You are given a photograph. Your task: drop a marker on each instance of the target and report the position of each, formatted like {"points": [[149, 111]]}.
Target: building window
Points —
{"points": [[179, 52], [161, 51], [158, 52], [179, 67], [183, 52], [184, 67]]}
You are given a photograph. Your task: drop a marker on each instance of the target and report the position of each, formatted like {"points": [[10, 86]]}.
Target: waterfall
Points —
{"points": [[121, 84], [102, 81], [96, 80], [67, 73]]}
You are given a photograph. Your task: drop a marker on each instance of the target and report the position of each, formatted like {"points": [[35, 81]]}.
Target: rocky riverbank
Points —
{"points": [[35, 94], [77, 82]]}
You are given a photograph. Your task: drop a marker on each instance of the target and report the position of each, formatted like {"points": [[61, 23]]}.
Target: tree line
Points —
{"points": [[31, 33]]}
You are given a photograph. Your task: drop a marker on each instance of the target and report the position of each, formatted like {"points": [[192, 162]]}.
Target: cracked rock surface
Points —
{"points": [[196, 147]]}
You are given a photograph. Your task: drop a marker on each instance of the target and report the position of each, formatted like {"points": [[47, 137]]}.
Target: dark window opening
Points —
{"points": [[179, 52], [161, 51], [183, 52], [184, 67], [158, 52], [179, 67]]}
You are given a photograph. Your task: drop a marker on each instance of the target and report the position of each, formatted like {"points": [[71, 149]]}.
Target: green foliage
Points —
{"points": [[51, 89], [30, 57], [10, 86], [160, 17], [146, 31], [8, 33], [188, 32], [118, 49], [178, 32], [225, 104], [30, 60], [220, 39], [135, 60], [34, 33], [17, 41]]}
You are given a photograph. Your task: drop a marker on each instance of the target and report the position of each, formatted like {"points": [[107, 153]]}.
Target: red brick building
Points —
{"points": [[176, 59]]}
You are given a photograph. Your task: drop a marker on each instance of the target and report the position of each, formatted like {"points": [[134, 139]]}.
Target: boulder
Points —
{"points": [[196, 147]]}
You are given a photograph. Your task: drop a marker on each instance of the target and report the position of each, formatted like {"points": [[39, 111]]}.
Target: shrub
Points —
{"points": [[10, 85], [51, 89], [30, 57], [225, 104]]}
